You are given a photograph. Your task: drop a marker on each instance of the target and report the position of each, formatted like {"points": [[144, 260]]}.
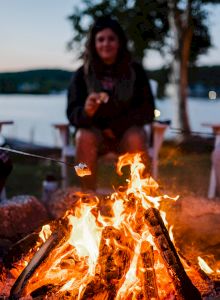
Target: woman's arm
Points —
{"points": [[77, 94], [141, 110]]}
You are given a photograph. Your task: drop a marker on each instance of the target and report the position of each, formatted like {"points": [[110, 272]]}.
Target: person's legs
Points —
{"points": [[134, 140], [216, 164], [87, 145]]}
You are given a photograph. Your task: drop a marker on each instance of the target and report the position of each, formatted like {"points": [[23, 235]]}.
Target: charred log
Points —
{"points": [[196, 269], [18, 289], [112, 265], [26, 245], [42, 291], [20, 249], [184, 288], [147, 272]]}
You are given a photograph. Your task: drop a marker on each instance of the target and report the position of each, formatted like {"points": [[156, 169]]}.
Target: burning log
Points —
{"points": [[147, 272], [201, 280], [27, 245], [195, 269], [184, 288], [112, 265], [50, 292], [20, 249], [18, 289]]}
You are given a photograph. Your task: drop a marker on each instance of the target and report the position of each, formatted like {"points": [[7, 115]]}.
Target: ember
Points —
{"points": [[125, 255]]}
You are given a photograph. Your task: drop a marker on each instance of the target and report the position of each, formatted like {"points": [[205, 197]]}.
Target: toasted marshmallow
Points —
{"points": [[103, 97], [82, 170]]}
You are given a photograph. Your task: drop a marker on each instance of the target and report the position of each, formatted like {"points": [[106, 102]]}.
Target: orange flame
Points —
{"points": [[204, 266], [97, 244]]}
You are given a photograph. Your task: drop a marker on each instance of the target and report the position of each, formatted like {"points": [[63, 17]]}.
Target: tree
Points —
{"points": [[178, 27], [190, 37], [145, 22]]}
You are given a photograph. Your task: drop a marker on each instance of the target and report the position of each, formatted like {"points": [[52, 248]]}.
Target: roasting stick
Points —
{"points": [[37, 156], [81, 169]]}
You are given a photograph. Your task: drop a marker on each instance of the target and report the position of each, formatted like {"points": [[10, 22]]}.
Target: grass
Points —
{"points": [[183, 170], [27, 176]]}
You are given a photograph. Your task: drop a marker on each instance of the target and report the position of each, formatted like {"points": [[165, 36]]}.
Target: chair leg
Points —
{"points": [[155, 167], [3, 195], [158, 131], [212, 184]]}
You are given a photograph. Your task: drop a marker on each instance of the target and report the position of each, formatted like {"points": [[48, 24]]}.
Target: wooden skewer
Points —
{"points": [[37, 156]]}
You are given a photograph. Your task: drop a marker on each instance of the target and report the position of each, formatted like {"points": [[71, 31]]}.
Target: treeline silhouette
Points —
{"points": [[48, 81], [35, 81]]}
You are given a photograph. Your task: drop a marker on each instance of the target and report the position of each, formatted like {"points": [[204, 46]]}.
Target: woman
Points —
{"points": [[109, 98]]}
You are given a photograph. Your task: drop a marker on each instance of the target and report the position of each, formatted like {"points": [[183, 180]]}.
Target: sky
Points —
{"points": [[34, 34]]}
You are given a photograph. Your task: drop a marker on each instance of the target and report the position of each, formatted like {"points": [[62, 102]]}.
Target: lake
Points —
{"points": [[33, 116]]}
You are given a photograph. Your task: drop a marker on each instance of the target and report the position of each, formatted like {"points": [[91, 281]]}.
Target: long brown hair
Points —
{"points": [[93, 65]]}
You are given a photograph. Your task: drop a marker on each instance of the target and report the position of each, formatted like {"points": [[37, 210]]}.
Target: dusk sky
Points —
{"points": [[34, 34]]}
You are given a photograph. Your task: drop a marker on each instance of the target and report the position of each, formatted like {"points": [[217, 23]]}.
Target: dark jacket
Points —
{"points": [[116, 116]]}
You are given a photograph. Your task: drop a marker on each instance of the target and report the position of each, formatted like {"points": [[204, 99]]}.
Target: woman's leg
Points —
{"points": [[135, 140], [87, 145]]}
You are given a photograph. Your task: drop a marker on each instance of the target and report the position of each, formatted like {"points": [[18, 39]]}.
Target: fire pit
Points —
{"points": [[125, 254]]}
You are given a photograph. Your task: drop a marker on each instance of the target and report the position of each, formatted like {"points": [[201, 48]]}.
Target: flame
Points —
{"points": [[98, 252], [45, 232], [204, 266]]}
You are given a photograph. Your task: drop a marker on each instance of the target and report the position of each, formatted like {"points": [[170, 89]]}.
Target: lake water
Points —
{"points": [[33, 116]]}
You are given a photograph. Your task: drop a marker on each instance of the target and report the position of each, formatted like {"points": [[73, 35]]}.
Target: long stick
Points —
{"points": [[37, 156]]}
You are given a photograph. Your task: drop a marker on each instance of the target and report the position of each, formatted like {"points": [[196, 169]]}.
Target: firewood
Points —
{"points": [[199, 272], [184, 288], [146, 272], [26, 245], [199, 278], [20, 249], [18, 289], [112, 265], [42, 291]]}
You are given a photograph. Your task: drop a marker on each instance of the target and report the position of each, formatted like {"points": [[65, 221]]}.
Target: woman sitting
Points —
{"points": [[109, 98]]}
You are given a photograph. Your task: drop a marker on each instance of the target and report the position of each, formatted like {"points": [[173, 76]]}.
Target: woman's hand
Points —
{"points": [[92, 104]]}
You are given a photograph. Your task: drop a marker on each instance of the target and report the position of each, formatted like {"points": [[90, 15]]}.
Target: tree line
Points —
{"points": [[201, 80], [34, 81]]}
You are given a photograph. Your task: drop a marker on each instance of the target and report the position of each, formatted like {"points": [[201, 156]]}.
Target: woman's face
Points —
{"points": [[107, 45]]}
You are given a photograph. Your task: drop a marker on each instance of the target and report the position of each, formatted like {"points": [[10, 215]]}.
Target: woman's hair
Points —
{"points": [[91, 58], [122, 68]]}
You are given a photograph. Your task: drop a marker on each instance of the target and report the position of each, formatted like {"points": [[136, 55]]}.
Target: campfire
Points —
{"points": [[125, 253]]}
